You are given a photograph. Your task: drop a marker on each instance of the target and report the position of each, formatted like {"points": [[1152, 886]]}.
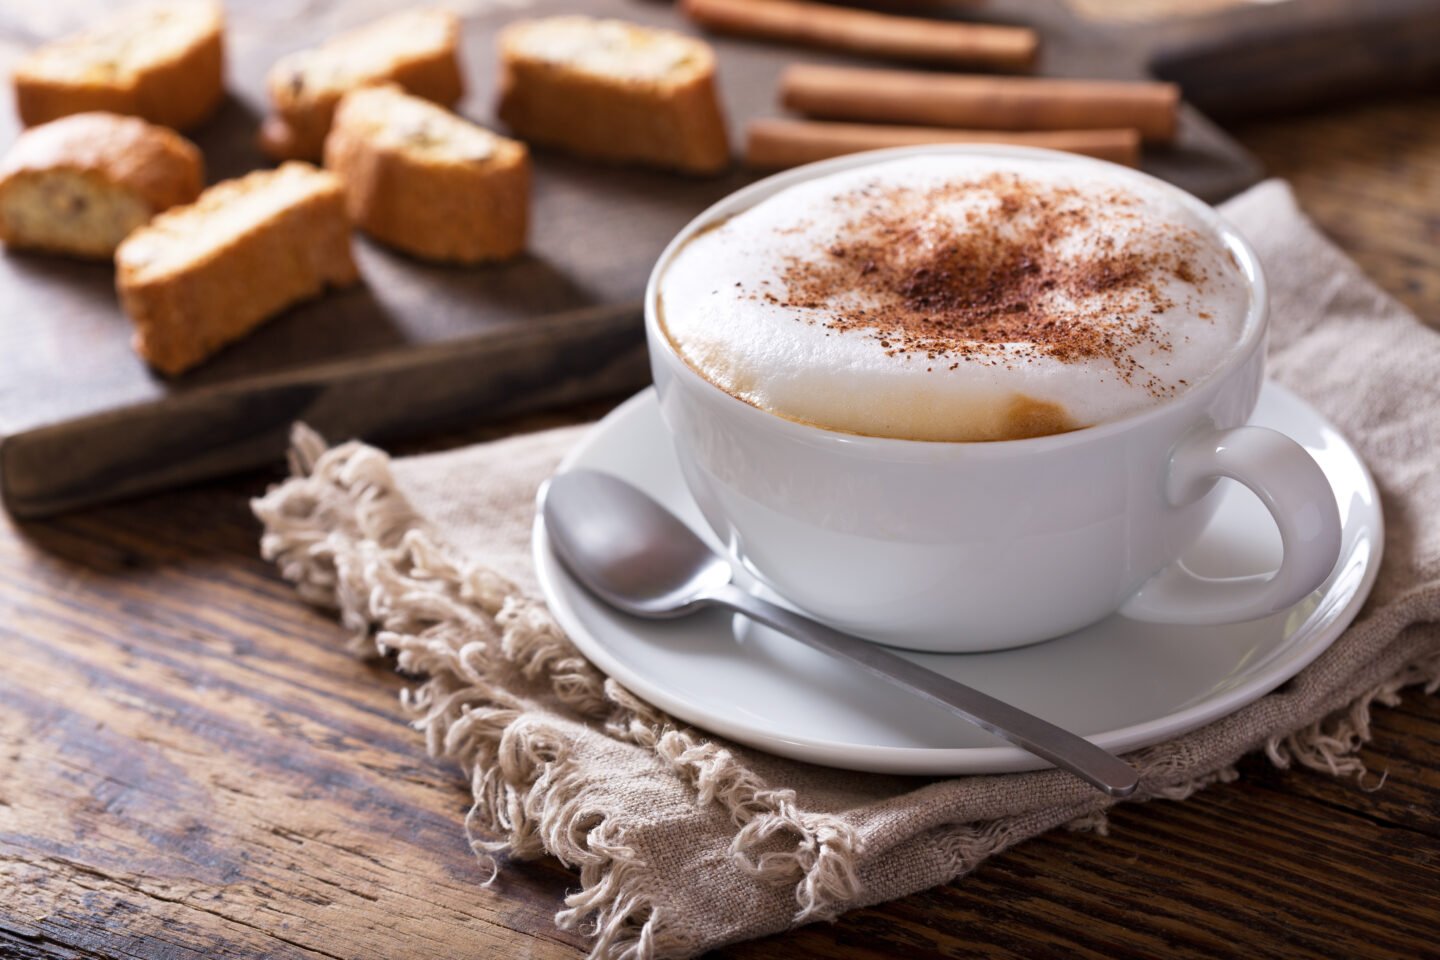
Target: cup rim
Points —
{"points": [[1256, 317]]}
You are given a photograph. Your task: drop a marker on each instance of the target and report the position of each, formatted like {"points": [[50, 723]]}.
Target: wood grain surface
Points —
{"points": [[192, 767]]}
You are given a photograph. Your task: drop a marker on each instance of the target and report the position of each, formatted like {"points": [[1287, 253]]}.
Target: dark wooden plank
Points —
{"points": [[416, 344], [1260, 59], [207, 432], [165, 787]]}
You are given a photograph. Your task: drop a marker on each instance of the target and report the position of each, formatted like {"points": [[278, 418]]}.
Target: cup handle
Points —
{"points": [[1295, 491]]}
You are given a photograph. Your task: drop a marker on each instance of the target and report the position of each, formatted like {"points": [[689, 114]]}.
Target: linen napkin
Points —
{"points": [[684, 842]]}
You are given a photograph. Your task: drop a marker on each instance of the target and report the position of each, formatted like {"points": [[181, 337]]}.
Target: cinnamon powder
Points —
{"points": [[1007, 286]]}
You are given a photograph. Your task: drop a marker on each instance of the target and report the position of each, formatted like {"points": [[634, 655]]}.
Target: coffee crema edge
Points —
{"points": [[1014, 414], [1032, 417]]}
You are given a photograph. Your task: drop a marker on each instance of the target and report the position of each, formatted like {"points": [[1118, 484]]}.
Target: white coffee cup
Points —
{"points": [[959, 547]]}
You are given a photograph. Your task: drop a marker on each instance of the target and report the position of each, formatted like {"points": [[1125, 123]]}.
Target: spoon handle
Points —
{"points": [[1061, 747]]}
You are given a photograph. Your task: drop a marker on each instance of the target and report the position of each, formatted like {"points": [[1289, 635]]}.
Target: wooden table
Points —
{"points": [[192, 766]]}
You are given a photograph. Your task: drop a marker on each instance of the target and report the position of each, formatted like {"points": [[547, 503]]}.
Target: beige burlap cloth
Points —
{"points": [[684, 842]]}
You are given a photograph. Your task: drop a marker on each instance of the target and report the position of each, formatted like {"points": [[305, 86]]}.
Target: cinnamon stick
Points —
{"points": [[866, 32], [774, 144], [981, 103]]}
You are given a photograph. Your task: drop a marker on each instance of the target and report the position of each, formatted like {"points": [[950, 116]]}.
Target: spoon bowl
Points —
{"points": [[624, 548]]}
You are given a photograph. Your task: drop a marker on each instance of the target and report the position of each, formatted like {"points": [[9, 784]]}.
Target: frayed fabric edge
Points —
{"points": [[1332, 744], [343, 533]]}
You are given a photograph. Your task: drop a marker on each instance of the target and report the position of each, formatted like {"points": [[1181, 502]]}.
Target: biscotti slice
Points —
{"points": [[613, 90], [81, 184], [426, 181], [416, 49], [199, 276], [160, 61]]}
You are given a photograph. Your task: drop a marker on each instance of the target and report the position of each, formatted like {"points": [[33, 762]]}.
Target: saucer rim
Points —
{"points": [[556, 583]]}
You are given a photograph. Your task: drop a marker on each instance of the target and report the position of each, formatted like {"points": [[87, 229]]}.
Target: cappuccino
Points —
{"points": [[958, 298]]}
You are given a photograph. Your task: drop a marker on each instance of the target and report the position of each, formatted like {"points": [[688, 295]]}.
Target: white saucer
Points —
{"points": [[1121, 683]]}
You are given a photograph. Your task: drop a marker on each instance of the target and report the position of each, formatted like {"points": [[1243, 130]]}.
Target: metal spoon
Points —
{"points": [[635, 555]]}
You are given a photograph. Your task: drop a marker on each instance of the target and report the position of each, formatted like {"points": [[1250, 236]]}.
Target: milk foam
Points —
{"points": [[873, 300]]}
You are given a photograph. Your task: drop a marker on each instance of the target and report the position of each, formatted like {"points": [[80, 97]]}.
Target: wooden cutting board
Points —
{"points": [[416, 347]]}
